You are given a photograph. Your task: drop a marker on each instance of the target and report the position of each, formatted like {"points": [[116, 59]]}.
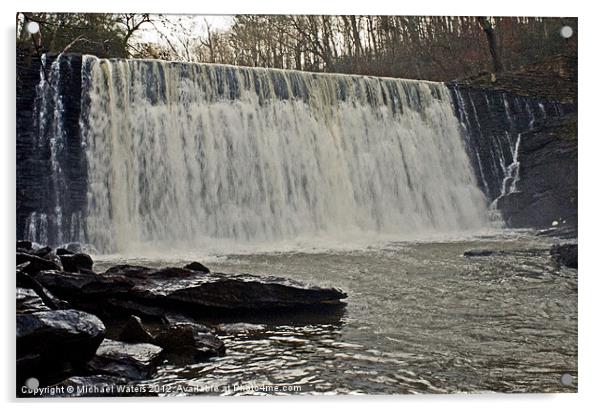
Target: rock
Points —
{"points": [[565, 254], [46, 340], [239, 328], [24, 245], [186, 291], [135, 332], [188, 340], [83, 286], [195, 266], [546, 191], [76, 262], [41, 252], [131, 361], [179, 319], [49, 300], [63, 251], [478, 253], [36, 263], [28, 301], [74, 248]]}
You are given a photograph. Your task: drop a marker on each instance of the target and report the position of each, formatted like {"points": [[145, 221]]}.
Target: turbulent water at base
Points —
{"points": [[421, 318], [180, 155]]}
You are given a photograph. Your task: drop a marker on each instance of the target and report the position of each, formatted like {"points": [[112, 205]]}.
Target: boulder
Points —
{"points": [[63, 251], [75, 263], [36, 263], [186, 291], [29, 302], [196, 266], [131, 361], [47, 340], [24, 245], [42, 251], [565, 254], [49, 300], [187, 340], [135, 332]]}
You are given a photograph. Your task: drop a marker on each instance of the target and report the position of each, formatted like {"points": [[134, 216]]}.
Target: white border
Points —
{"points": [[590, 151]]}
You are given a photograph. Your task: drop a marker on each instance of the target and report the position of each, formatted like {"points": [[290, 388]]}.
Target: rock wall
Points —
{"points": [[547, 189], [51, 163], [521, 134]]}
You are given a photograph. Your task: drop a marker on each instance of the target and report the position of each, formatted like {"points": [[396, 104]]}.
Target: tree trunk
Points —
{"points": [[485, 24]]}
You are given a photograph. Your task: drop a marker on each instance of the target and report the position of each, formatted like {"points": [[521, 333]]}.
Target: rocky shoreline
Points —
{"points": [[78, 328]]}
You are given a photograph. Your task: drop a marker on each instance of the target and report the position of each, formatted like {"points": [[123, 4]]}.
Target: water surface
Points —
{"points": [[421, 318]]}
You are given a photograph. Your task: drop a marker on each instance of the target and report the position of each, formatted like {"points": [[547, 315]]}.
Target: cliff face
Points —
{"points": [[51, 163], [521, 134], [546, 191]]}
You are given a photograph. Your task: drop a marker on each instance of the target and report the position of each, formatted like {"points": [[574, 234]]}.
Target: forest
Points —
{"points": [[438, 48]]}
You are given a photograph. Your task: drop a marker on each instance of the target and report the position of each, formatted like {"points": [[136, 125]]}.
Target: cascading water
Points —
{"points": [[58, 153], [184, 153]]}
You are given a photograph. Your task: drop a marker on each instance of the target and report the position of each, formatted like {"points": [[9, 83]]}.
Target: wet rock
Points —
{"points": [[75, 263], [49, 300], [42, 251], [171, 319], [63, 251], [196, 266], [135, 332], [46, 340], [74, 248], [565, 254], [131, 361], [239, 328], [24, 245], [189, 340], [478, 253], [36, 263], [83, 286], [28, 301], [183, 290]]}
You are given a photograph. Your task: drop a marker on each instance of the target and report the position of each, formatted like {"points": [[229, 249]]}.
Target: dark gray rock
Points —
{"points": [[49, 300], [187, 340], [135, 332], [565, 254], [24, 245], [29, 302], [63, 251], [182, 290], [36, 263], [46, 340], [196, 266], [546, 193], [75, 263], [131, 361], [42, 251]]}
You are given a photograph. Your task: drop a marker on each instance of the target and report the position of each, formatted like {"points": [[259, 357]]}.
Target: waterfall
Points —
{"points": [[57, 147], [182, 154]]}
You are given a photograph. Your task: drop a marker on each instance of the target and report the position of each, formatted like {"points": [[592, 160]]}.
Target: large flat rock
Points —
{"points": [[182, 289]]}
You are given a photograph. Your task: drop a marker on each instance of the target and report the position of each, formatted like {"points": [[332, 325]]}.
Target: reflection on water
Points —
{"points": [[421, 318]]}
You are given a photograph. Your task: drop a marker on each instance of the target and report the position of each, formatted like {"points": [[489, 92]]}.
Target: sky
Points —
{"points": [[197, 23]]}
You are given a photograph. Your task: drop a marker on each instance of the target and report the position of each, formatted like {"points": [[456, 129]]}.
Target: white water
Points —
{"points": [[182, 154]]}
